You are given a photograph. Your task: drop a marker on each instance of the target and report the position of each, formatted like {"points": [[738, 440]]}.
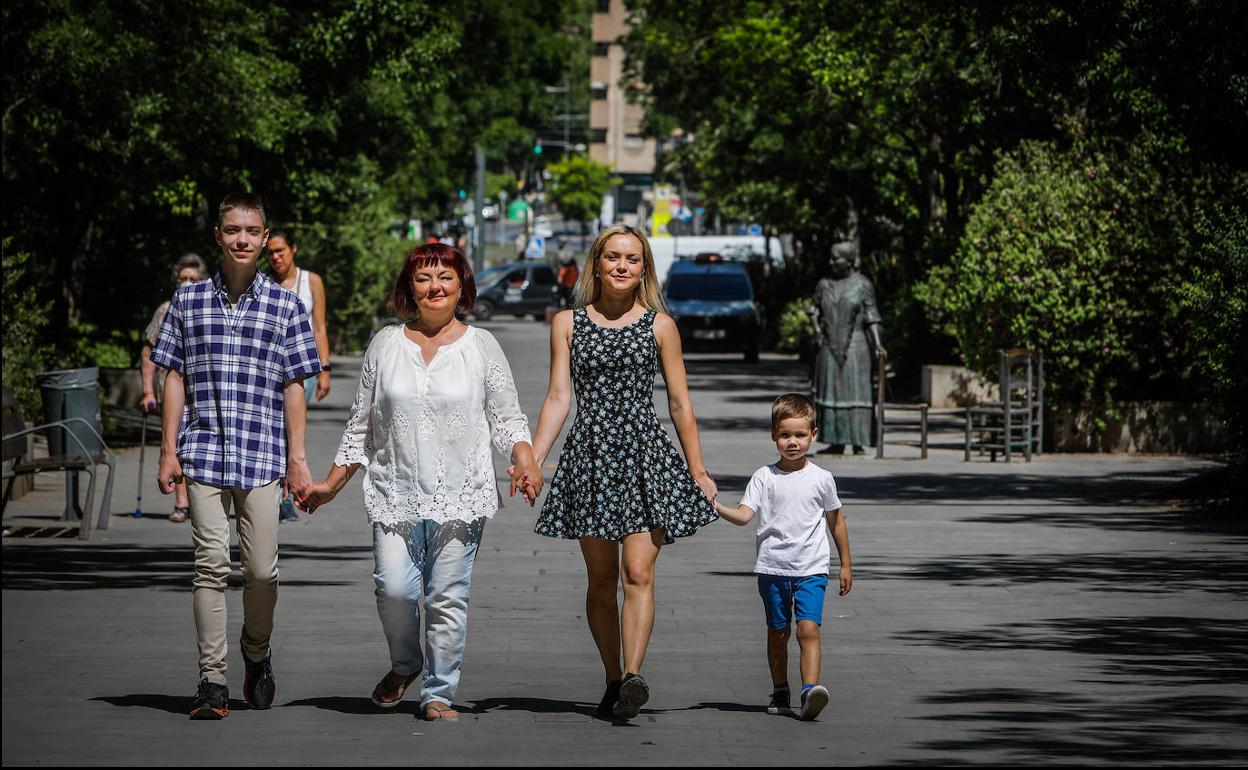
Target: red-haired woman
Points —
{"points": [[433, 393]]}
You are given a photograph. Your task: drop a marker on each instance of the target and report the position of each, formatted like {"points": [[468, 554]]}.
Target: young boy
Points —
{"points": [[793, 498], [237, 349]]}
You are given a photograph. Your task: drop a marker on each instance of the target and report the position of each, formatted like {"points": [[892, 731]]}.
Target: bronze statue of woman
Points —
{"points": [[848, 326]]}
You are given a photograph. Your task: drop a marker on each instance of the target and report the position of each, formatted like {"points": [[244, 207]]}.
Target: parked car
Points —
{"points": [[520, 288], [712, 302]]}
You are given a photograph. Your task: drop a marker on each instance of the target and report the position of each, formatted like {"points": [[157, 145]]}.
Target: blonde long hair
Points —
{"points": [[647, 293]]}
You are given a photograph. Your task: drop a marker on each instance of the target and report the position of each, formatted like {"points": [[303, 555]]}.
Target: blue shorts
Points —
{"points": [[782, 594]]}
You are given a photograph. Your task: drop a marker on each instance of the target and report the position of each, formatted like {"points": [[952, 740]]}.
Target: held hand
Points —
{"points": [[847, 580], [322, 386], [527, 477], [707, 485], [148, 403], [169, 474], [317, 494], [298, 477]]}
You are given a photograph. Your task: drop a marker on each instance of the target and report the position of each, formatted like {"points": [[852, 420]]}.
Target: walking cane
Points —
{"points": [[138, 500]]}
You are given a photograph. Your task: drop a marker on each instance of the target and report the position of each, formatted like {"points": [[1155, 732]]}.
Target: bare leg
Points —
{"points": [[602, 563], [808, 641], [641, 551], [778, 654]]}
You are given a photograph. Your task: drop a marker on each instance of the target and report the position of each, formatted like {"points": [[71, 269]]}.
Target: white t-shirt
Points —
{"points": [[792, 531]]}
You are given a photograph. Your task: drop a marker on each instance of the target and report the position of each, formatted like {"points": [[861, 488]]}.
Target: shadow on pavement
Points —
{"points": [[173, 704], [742, 708], [356, 705], [729, 483], [733, 374], [1155, 492], [1143, 572], [1151, 651], [1043, 726], [64, 567], [1106, 718], [736, 424]]}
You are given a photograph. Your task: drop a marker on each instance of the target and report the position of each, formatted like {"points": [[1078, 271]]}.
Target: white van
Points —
{"points": [[742, 247]]}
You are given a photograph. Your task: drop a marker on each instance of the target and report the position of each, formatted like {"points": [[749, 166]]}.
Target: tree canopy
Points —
{"points": [[1016, 173], [125, 123]]}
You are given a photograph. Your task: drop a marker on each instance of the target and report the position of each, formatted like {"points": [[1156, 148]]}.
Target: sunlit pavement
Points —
{"points": [[1061, 611]]}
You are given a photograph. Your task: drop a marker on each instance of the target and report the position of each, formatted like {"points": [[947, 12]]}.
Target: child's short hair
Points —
{"points": [[241, 200], [793, 405]]}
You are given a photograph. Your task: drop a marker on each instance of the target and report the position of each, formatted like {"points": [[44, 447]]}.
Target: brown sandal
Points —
{"points": [[389, 691], [437, 710]]}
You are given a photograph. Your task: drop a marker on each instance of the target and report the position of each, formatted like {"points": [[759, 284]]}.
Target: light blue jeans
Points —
{"points": [[425, 563]]}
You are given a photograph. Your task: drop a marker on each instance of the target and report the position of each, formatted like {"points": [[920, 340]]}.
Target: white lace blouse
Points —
{"points": [[423, 431]]}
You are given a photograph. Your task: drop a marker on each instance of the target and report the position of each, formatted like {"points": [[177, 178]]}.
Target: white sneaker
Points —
{"points": [[813, 701]]}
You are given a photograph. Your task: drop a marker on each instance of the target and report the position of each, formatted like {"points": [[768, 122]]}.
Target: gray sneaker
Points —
{"points": [[813, 701], [633, 695]]}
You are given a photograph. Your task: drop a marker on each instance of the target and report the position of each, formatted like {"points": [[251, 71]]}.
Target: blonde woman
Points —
{"points": [[621, 488]]}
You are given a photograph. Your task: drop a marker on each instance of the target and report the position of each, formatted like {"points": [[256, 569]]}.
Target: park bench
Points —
{"points": [[18, 463]]}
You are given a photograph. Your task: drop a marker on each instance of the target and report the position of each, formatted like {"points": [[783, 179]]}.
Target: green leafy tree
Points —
{"points": [[124, 124], [1213, 297], [578, 185], [1053, 259], [26, 350], [884, 121]]}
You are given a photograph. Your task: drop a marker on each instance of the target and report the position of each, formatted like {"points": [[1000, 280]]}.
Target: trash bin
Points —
{"points": [[71, 393]]}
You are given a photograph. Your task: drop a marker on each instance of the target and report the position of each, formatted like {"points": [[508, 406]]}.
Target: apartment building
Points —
{"points": [[615, 124]]}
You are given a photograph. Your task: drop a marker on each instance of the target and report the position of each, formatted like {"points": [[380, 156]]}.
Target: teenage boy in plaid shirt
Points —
{"points": [[237, 348]]}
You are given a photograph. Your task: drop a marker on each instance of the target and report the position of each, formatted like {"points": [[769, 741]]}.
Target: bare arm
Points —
{"points": [[741, 515], [148, 370], [840, 536], [169, 473], [558, 400], [320, 332], [678, 404], [298, 477], [321, 492]]}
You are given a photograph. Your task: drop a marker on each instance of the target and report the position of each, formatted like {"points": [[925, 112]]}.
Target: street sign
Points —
{"points": [[755, 230], [536, 248]]}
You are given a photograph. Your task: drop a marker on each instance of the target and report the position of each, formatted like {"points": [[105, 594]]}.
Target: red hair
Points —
{"points": [[402, 301]]}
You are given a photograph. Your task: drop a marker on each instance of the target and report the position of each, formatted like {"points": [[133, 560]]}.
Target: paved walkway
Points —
{"points": [[1056, 612]]}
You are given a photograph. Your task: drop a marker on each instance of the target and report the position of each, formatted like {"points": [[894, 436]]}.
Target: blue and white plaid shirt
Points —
{"points": [[235, 363]]}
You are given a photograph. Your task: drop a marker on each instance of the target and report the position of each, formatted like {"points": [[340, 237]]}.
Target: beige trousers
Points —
{"points": [[257, 545]]}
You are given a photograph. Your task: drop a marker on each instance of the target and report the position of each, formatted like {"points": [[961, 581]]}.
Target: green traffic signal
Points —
{"points": [[537, 148]]}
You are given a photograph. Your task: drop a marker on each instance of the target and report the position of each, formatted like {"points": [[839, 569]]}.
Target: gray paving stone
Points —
{"points": [[1055, 612]]}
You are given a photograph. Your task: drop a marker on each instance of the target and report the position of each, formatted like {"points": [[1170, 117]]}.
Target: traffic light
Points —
{"points": [[463, 193], [537, 148]]}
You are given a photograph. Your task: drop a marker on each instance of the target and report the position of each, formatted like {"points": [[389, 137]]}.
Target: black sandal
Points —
{"points": [[387, 697]]}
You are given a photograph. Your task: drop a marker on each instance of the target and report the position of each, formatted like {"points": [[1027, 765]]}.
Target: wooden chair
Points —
{"points": [[14, 450], [882, 406], [1016, 422]]}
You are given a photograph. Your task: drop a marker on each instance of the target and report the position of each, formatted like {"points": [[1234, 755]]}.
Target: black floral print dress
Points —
{"points": [[619, 473]]}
